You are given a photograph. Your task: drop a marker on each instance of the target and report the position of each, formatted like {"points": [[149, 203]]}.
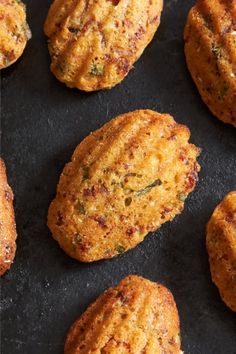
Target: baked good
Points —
{"points": [[94, 44], [135, 317], [124, 180], [14, 31], [221, 246], [7, 223], [210, 50]]}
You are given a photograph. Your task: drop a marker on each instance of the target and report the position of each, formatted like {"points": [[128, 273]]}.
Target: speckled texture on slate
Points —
{"points": [[42, 122]]}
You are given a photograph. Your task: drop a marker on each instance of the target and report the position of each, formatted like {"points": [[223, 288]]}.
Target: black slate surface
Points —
{"points": [[42, 121]]}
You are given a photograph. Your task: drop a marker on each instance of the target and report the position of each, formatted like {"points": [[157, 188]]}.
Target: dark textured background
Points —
{"points": [[42, 122]]}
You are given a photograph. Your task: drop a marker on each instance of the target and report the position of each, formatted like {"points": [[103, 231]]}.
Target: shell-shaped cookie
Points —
{"points": [[221, 246], [210, 50], [7, 223], [124, 180], [94, 43], [14, 31], [137, 316]]}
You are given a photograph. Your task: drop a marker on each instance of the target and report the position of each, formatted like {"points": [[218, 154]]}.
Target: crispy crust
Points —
{"points": [[14, 31], [94, 44], [137, 316], [125, 180], [221, 246], [210, 49], [7, 223]]}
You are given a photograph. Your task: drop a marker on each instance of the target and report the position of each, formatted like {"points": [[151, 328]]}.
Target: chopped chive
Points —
{"points": [[148, 188], [128, 201], [80, 207], [223, 91], [182, 196], [96, 70], [216, 50], [120, 249], [85, 172]]}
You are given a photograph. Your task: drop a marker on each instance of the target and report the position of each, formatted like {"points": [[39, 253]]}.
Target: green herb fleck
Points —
{"points": [[148, 188], [182, 196], [80, 207], [216, 50], [120, 249], [223, 91], [85, 173], [128, 201], [96, 69]]}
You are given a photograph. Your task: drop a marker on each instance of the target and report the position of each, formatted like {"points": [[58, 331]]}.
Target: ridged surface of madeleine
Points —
{"points": [[221, 246], [210, 49], [94, 44], [14, 31], [136, 317], [7, 223], [124, 180]]}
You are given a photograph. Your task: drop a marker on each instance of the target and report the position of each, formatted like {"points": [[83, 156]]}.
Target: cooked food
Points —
{"points": [[94, 44], [14, 31], [136, 317], [7, 223], [125, 180], [210, 49], [221, 246]]}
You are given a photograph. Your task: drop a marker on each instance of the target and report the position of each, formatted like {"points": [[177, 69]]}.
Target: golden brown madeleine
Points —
{"points": [[94, 43], [210, 49], [7, 223], [221, 246], [137, 316], [14, 31], [124, 180]]}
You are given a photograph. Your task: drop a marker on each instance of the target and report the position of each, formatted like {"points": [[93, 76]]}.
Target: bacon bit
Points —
{"points": [[123, 298], [90, 192], [186, 39], [164, 212], [231, 217], [86, 26], [8, 196], [116, 23], [85, 246], [192, 178], [124, 316], [108, 58], [140, 33], [87, 192], [104, 189], [127, 23], [123, 65], [131, 230], [122, 217], [114, 2], [2, 16], [59, 219], [10, 55], [126, 166], [101, 221], [172, 137], [182, 157], [155, 19]]}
